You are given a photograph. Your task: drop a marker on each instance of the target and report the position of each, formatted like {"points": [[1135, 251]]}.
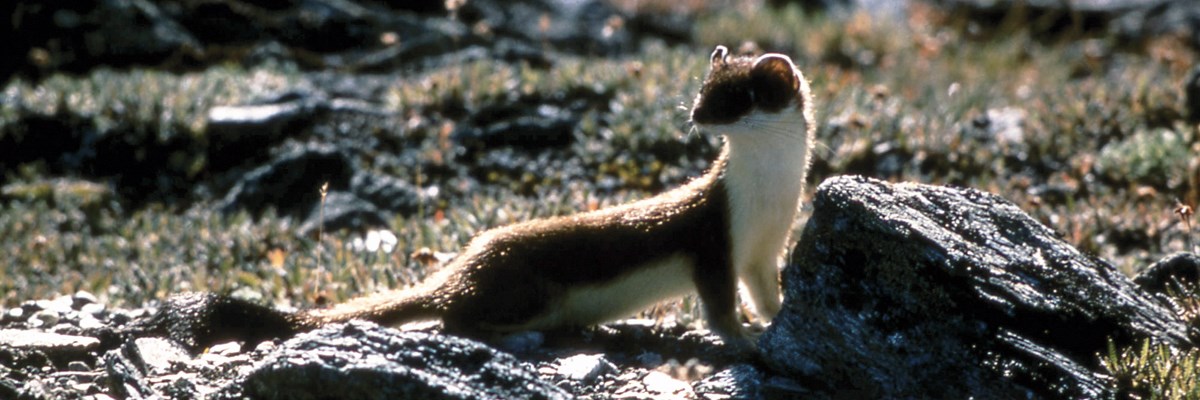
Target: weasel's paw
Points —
{"points": [[744, 343]]}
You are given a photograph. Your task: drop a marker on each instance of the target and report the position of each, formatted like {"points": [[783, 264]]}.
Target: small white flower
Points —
{"points": [[377, 239]]}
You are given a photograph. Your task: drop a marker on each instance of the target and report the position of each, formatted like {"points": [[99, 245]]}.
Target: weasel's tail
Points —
{"points": [[386, 308]]}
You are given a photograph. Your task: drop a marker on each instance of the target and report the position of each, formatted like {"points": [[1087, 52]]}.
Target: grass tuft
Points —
{"points": [[1154, 371]]}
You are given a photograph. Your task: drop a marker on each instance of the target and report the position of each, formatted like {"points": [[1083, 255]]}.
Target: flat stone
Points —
{"points": [[584, 367], [46, 341], [159, 354]]}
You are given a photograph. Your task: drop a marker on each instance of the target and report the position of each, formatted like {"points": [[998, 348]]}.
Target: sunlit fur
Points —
{"points": [[729, 225]]}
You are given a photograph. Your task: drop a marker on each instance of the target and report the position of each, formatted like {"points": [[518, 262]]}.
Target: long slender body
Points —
{"points": [[730, 224]]}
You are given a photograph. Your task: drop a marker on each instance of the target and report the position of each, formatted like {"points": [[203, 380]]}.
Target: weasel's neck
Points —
{"points": [[764, 176]]}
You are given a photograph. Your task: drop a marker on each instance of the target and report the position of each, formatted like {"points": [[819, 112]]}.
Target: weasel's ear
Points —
{"points": [[776, 68], [719, 55]]}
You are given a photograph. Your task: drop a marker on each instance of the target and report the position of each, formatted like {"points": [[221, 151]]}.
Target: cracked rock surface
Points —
{"points": [[908, 290]]}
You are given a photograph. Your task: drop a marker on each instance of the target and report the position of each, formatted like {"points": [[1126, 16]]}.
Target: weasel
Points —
{"points": [[733, 223]]}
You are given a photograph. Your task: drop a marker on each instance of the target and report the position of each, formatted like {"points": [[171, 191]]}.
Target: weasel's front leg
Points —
{"points": [[762, 284], [717, 287]]}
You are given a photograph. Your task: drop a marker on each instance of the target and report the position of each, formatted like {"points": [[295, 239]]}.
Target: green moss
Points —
{"points": [[1155, 157]]}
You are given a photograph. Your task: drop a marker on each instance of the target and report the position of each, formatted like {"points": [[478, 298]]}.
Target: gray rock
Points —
{"points": [[291, 181], [229, 126], [240, 133], [584, 367], [14, 315], [78, 366], [526, 132], [389, 193], [1167, 273], [152, 367], [44, 319], [519, 125], [909, 290], [287, 174], [82, 298], [362, 360], [60, 305], [50, 343], [159, 355]]}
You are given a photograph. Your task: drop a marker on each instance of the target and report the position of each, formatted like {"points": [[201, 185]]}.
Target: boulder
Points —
{"points": [[243, 133], [908, 290]]}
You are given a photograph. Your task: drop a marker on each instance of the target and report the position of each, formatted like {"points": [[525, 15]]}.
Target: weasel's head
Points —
{"points": [[748, 95]]}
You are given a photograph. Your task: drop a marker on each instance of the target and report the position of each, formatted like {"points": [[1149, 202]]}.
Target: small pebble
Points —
{"points": [[78, 366], [90, 322], [32, 305], [118, 318], [15, 314], [227, 349], [585, 367], [93, 309], [82, 298], [265, 346], [44, 318]]}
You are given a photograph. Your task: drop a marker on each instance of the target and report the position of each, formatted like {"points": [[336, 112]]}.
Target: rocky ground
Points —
{"points": [[895, 290], [155, 147]]}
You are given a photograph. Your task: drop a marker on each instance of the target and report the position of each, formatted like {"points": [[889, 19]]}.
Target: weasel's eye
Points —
{"points": [[723, 104]]}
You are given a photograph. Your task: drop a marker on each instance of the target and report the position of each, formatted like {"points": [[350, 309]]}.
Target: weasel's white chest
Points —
{"points": [[764, 193]]}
